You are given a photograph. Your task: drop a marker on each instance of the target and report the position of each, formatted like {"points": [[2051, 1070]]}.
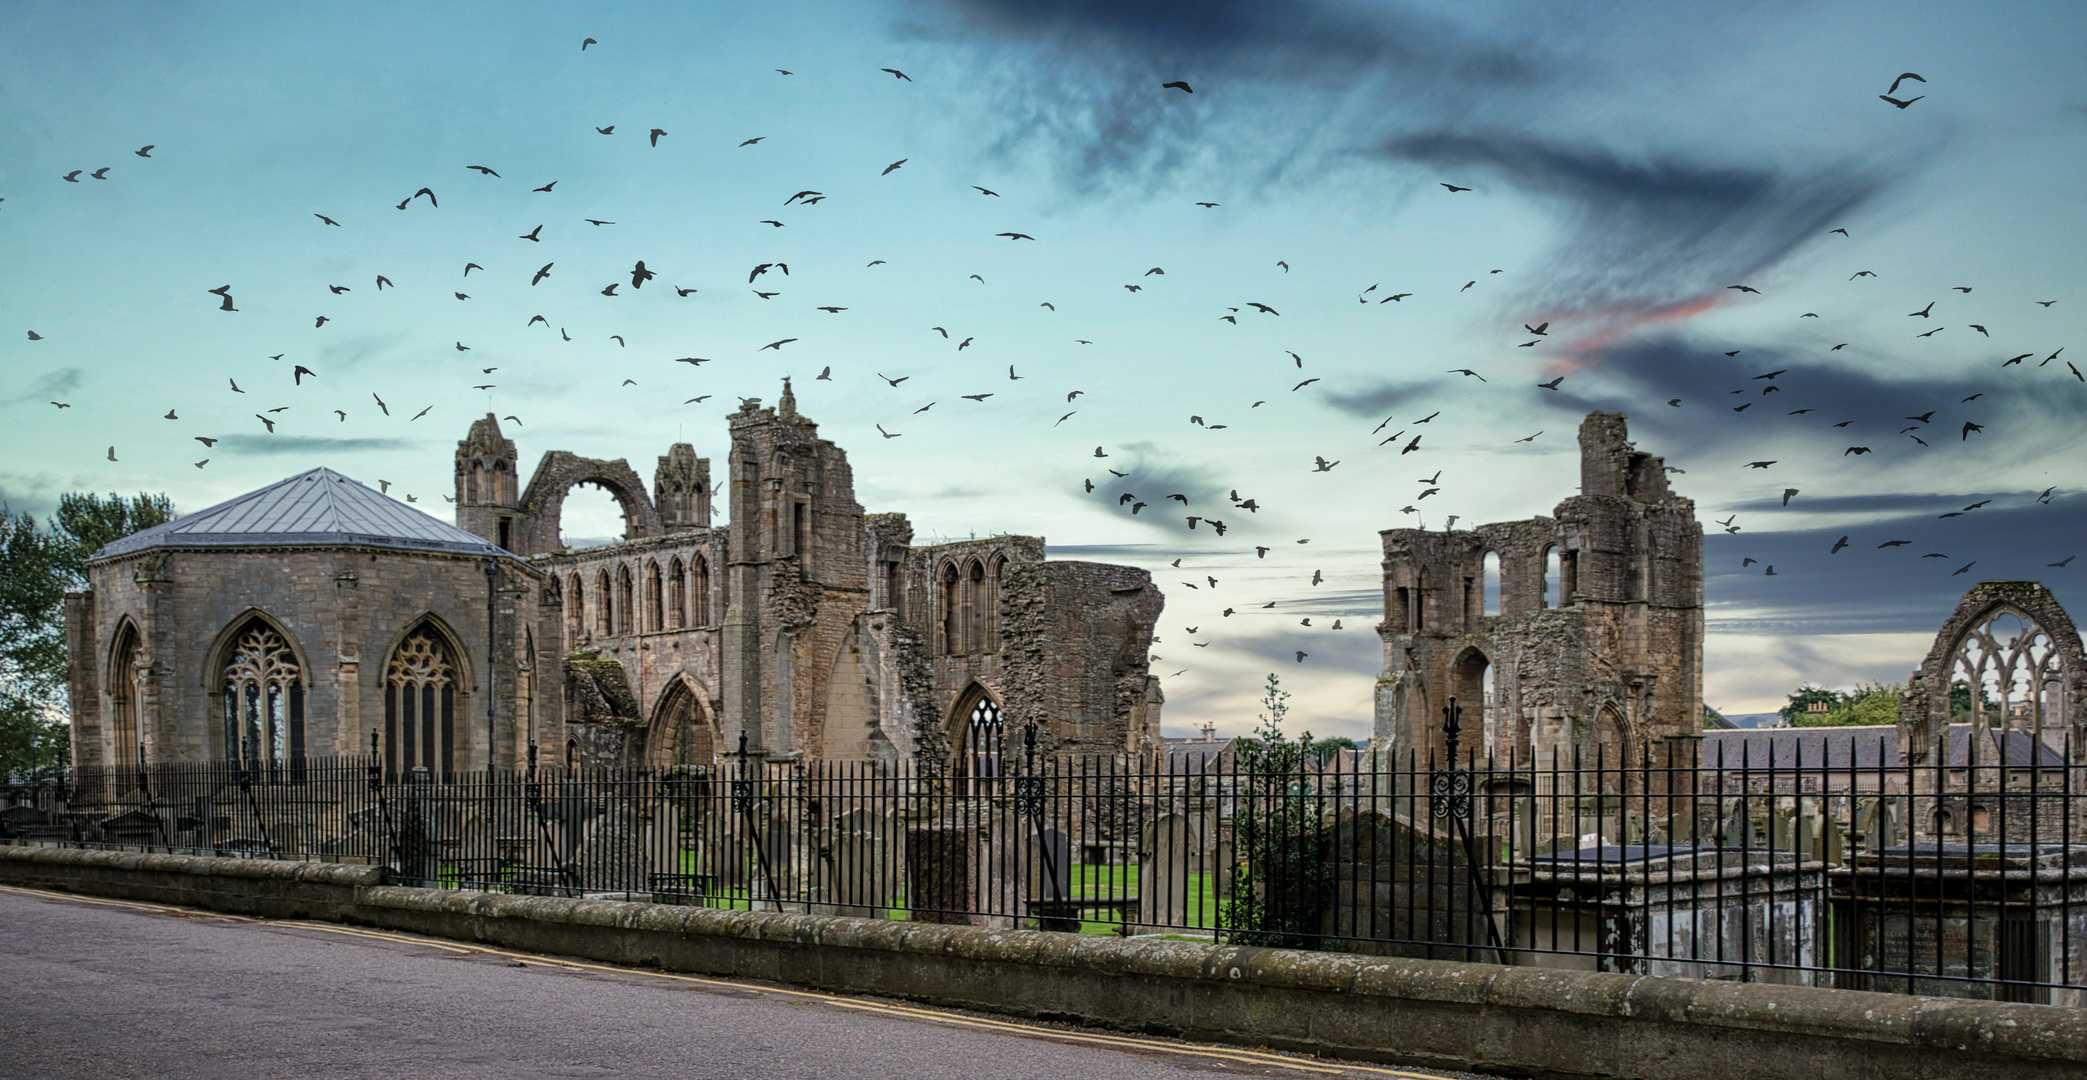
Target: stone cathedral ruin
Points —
{"points": [[296, 620]]}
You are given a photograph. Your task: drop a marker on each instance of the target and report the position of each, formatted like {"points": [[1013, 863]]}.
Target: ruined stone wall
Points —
{"points": [[1076, 646], [952, 598], [542, 504], [799, 578], [1607, 656], [656, 642], [341, 610]]}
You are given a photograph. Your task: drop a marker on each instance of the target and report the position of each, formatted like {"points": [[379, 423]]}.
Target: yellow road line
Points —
{"points": [[895, 1010]]}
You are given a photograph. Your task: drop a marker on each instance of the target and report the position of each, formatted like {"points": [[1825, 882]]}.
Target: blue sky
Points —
{"points": [[1626, 163]]}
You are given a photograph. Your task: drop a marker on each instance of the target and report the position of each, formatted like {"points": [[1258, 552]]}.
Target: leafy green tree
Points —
{"points": [[1871, 705], [1323, 750], [38, 566], [1960, 702], [1806, 696], [1280, 882]]}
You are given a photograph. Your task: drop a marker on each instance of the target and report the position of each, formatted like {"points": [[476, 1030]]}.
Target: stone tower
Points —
{"points": [[681, 489], [487, 490], [799, 572], [1595, 641]]}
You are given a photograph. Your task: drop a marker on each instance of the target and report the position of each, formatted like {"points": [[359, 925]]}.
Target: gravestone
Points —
{"points": [[1172, 857], [858, 873], [611, 857], [941, 873]]}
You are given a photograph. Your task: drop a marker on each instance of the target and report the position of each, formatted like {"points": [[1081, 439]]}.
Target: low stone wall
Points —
{"points": [[1512, 1021]]}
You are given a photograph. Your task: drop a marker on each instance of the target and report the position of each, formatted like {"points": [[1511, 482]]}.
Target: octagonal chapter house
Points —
{"points": [[294, 622]]}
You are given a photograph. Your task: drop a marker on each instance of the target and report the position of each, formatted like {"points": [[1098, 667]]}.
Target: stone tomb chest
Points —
{"points": [[1963, 913], [1685, 912]]}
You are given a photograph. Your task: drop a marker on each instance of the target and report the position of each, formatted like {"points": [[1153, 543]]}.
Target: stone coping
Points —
{"points": [[1521, 1021]]}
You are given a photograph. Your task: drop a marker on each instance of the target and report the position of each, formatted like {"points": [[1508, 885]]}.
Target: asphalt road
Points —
{"points": [[109, 990]]}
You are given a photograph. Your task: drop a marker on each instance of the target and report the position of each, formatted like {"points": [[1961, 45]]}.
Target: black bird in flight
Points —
{"points": [[540, 275], [1838, 545], [589, 41], [483, 170], [896, 73], [145, 151], [327, 220], [610, 130], [1901, 104], [1177, 85], [1745, 289], [893, 165], [531, 235], [1453, 188], [639, 275], [1553, 384], [656, 133], [546, 187]]}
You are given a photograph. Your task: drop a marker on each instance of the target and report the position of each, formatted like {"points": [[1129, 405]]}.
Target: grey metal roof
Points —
{"points": [[316, 508]]}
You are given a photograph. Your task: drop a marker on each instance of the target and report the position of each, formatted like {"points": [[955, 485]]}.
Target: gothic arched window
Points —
{"points": [[702, 591], [263, 702], [626, 615], [677, 594], [992, 604], [974, 607], [420, 706], [575, 608], [123, 699], [2007, 673], [951, 618], [655, 601], [984, 735], [604, 605]]}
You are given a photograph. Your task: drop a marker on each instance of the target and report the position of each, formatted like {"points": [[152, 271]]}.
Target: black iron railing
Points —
{"points": [[1824, 861]]}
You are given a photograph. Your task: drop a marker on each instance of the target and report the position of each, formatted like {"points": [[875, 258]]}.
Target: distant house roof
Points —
{"points": [[1185, 756], [1859, 748], [316, 508]]}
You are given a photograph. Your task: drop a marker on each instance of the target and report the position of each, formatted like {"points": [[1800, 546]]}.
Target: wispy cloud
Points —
{"points": [[1373, 400], [1151, 477], [48, 386], [1650, 232], [306, 444], [1639, 377], [1086, 76]]}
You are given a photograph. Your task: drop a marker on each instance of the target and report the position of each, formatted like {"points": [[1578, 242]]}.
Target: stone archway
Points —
{"points": [[2018, 656], [556, 475], [682, 731]]}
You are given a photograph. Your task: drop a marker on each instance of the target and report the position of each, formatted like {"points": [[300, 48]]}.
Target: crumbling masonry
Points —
{"points": [[1595, 641]]}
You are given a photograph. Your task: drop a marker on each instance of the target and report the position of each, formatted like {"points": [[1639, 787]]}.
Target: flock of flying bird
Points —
{"points": [[1114, 490]]}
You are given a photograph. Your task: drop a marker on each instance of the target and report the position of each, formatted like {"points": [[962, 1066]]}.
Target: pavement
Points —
{"points": [[109, 990]]}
